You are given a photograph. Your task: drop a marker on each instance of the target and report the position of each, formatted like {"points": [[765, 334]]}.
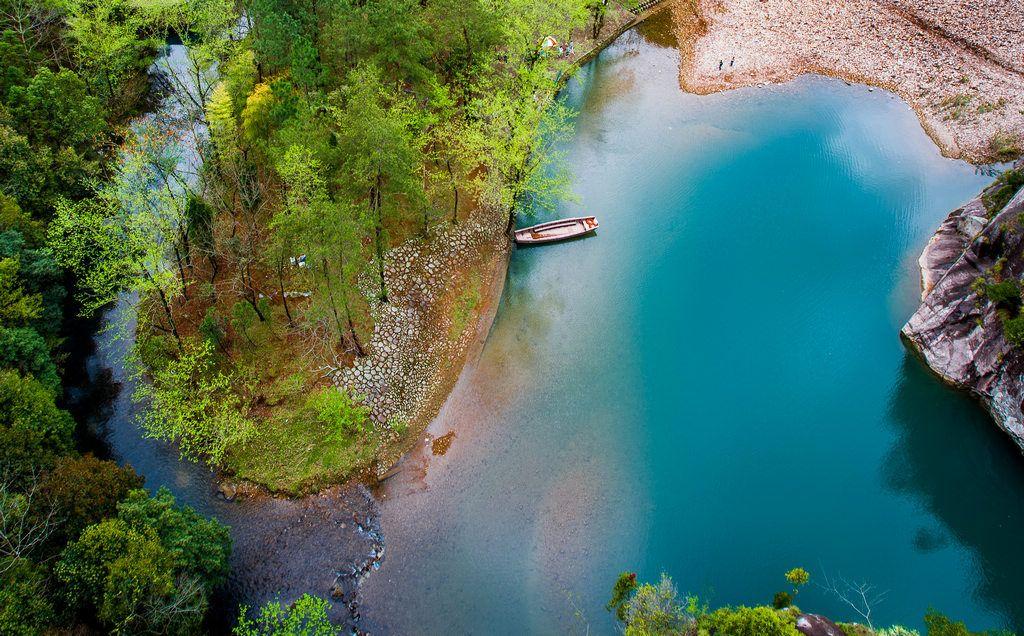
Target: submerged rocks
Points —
{"points": [[959, 331]]}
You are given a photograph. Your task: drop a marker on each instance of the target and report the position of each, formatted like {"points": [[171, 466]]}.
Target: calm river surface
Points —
{"points": [[713, 386]]}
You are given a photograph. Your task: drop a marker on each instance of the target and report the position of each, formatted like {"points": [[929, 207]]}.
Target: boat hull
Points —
{"points": [[554, 231]]}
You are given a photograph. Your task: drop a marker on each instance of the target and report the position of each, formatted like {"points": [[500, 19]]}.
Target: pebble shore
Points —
{"points": [[958, 63]]}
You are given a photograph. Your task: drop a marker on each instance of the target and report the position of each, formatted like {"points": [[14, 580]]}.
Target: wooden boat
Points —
{"points": [[556, 230]]}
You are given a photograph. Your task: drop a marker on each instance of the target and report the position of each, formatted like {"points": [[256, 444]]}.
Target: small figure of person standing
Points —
{"points": [[719, 64], [731, 62]]}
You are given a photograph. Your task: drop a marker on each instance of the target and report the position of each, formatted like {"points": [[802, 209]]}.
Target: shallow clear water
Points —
{"points": [[713, 386]]}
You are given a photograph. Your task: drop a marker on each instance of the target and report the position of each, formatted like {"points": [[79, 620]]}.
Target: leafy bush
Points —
{"points": [[1006, 185], [339, 412], [1013, 330], [625, 585], [1004, 146], [305, 617], [897, 630], [782, 600], [940, 625], [655, 609], [1005, 292], [747, 621]]}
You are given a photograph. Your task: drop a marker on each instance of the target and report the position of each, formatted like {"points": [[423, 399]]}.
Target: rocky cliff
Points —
{"points": [[959, 329]]}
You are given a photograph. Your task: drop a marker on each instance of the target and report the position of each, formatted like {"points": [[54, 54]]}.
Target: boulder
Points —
{"points": [[816, 625], [958, 332]]}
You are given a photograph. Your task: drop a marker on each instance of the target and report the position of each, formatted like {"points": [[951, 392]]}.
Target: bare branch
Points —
{"points": [[861, 597], [26, 521]]}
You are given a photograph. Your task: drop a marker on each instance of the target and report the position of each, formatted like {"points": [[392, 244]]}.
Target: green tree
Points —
{"points": [[307, 616], [56, 110], [127, 237], [107, 42], [379, 157], [116, 571], [517, 132], [195, 405], [797, 577], [25, 609], [16, 308], [390, 36], [40, 281], [33, 431], [23, 349], [204, 27], [197, 546], [328, 233], [86, 490]]}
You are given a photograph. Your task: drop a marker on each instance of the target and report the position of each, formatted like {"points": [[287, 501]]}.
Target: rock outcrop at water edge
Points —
{"points": [[957, 329]]}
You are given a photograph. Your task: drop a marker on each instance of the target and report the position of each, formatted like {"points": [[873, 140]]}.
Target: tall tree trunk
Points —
{"points": [[284, 297], [455, 190], [330, 294], [181, 272], [379, 236], [247, 280], [167, 311], [214, 267]]}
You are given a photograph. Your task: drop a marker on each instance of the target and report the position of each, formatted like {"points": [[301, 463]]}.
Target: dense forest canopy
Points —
{"points": [[248, 220], [255, 238]]}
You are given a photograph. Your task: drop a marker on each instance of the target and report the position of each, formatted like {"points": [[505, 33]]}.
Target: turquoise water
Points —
{"points": [[713, 386]]}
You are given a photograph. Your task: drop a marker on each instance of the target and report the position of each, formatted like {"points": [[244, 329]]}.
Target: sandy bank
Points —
{"points": [[958, 63]]}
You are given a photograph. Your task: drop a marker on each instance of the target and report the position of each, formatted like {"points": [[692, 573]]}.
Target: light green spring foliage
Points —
{"points": [[119, 239], [748, 621], [307, 616], [340, 412], [798, 577], [196, 405], [106, 40], [897, 630], [656, 609]]}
